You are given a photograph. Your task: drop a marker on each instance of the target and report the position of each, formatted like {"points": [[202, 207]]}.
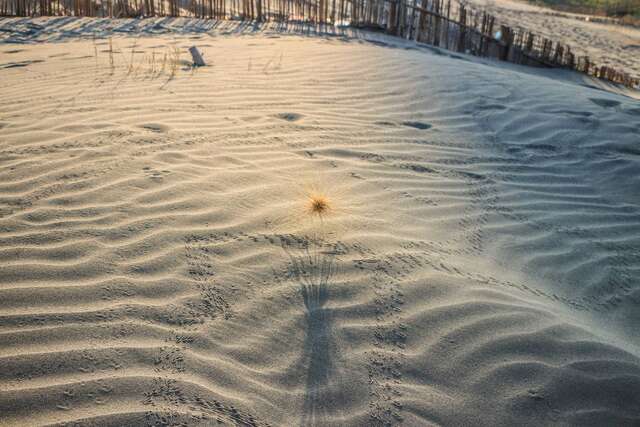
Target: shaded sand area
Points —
{"points": [[616, 46], [476, 263]]}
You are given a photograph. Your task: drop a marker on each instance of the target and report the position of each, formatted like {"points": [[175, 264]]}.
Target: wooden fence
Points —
{"points": [[450, 25]]}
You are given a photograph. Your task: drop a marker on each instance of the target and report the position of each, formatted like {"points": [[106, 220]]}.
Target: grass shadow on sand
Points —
{"points": [[313, 267]]}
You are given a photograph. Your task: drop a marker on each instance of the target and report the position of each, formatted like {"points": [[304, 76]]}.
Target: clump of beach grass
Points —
{"points": [[318, 205], [112, 66], [145, 66], [174, 62]]}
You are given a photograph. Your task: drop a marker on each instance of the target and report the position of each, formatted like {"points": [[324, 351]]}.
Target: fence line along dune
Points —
{"points": [[452, 25]]}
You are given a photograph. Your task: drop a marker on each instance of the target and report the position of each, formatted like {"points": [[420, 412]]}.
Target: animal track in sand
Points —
{"points": [[389, 335], [166, 397], [212, 301]]}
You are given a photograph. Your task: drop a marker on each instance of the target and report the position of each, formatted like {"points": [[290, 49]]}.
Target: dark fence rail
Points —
{"points": [[450, 25]]}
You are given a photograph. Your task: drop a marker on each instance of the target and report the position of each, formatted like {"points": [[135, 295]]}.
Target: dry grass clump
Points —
{"points": [[321, 204], [318, 204], [143, 65]]}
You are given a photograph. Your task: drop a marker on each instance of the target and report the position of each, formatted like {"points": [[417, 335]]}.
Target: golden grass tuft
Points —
{"points": [[318, 204]]}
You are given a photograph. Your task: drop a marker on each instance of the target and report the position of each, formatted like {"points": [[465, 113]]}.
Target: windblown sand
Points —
{"points": [[477, 263]]}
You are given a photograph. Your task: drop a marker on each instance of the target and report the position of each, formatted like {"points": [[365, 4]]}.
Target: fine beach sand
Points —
{"points": [[478, 263]]}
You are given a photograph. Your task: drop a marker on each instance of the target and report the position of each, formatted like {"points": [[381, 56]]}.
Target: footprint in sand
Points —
{"points": [[290, 117], [155, 127], [384, 123], [417, 125], [605, 103], [574, 113], [488, 107], [154, 174], [634, 111]]}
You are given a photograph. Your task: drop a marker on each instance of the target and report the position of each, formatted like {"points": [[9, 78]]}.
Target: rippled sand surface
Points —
{"points": [[477, 262]]}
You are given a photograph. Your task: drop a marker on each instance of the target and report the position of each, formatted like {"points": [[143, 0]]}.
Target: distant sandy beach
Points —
{"points": [[474, 260], [616, 46]]}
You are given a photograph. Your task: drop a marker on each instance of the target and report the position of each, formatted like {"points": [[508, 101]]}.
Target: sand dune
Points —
{"points": [[478, 264]]}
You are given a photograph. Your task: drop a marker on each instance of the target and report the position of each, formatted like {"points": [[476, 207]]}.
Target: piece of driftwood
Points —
{"points": [[198, 61]]}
